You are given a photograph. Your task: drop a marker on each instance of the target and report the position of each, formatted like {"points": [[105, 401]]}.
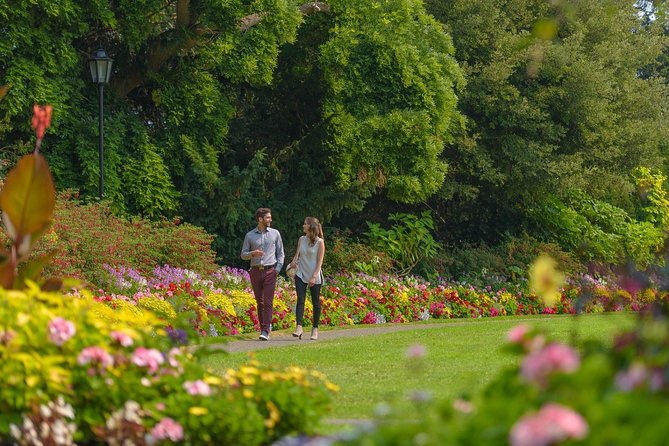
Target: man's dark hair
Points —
{"points": [[261, 212]]}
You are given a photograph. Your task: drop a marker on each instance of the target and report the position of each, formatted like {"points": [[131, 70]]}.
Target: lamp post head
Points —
{"points": [[100, 65]]}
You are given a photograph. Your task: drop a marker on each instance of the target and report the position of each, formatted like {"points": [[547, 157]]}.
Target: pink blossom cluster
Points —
{"points": [[148, 357], [553, 424], [539, 364], [60, 330], [121, 338], [518, 334], [96, 356], [198, 387], [168, 429]]}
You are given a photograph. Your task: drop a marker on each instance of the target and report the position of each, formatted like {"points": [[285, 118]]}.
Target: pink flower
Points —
{"points": [[554, 423], [121, 338], [198, 387], [539, 364], [173, 357], [149, 358], [60, 330], [416, 351], [95, 356], [166, 429], [573, 425], [517, 334]]}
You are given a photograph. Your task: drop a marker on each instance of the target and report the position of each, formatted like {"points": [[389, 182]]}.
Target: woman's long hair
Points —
{"points": [[314, 230]]}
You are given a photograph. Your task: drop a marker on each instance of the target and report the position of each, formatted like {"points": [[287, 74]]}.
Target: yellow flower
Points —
{"points": [[545, 280], [213, 380], [197, 411], [221, 302], [247, 393], [331, 386], [274, 415]]}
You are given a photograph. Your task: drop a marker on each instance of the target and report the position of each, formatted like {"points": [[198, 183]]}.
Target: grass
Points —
{"points": [[462, 356]]}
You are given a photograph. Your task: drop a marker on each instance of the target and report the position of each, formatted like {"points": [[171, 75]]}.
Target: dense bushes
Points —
{"points": [[346, 255], [85, 237], [487, 265]]}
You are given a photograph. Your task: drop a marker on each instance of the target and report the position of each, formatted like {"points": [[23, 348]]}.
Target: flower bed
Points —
{"points": [[223, 303], [72, 369]]}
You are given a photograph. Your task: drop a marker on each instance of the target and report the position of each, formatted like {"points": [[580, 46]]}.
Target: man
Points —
{"points": [[263, 246]]}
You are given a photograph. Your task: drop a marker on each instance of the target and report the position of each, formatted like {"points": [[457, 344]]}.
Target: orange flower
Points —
{"points": [[41, 121]]}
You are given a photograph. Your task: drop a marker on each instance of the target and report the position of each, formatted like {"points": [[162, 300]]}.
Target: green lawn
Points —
{"points": [[462, 356]]}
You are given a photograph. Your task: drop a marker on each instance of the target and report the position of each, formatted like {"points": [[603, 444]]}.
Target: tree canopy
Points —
{"points": [[486, 112]]}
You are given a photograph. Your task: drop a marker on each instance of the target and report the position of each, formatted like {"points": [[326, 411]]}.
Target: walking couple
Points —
{"points": [[264, 247]]}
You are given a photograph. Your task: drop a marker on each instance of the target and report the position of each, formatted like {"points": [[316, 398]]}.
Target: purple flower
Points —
{"points": [[177, 336], [60, 330], [168, 429], [169, 274], [632, 378]]}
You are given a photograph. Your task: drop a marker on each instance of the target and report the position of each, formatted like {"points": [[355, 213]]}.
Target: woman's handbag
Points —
{"points": [[291, 270]]}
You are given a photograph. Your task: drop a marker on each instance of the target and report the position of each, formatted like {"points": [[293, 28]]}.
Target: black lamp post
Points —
{"points": [[100, 65]]}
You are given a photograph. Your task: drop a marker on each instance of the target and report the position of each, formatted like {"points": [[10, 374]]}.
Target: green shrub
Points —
{"points": [[346, 255], [408, 242], [486, 265], [87, 236], [597, 231]]}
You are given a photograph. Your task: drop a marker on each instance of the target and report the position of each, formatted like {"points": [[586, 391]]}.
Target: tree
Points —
{"points": [[191, 81], [554, 104]]}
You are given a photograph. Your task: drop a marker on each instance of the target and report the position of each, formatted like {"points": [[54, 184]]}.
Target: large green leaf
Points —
{"points": [[28, 197]]}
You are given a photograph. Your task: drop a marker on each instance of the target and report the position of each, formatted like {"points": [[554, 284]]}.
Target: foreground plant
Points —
{"points": [[591, 393]]}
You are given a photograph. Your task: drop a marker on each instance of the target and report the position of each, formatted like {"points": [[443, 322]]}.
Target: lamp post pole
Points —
{"points": [[101, 185], [100, 66]]}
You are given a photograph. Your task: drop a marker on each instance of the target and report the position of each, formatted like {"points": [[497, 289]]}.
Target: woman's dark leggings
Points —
{"points": [[301, 289]]}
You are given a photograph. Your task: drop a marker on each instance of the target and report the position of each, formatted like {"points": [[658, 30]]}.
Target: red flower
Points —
{"points": [[41, 121]]}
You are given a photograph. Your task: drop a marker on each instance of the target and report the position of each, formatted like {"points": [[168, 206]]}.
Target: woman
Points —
{"points": [[309, 260]]}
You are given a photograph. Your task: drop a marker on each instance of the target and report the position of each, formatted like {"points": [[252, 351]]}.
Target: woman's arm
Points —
{"points": [[319, 262], [297, 253]]}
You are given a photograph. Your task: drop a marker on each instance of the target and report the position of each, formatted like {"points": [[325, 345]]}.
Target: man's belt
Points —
{"points": [[263, 267]]}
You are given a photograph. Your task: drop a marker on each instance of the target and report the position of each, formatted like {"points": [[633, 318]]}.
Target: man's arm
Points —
{"points": [[246, 248], [280, 257]]}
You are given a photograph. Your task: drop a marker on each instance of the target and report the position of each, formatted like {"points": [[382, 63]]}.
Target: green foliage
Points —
{"points": [[408, 242], [390, 102], [650, 186], [147, 181], [554, 101], [483, 265], [346, 255], [597, 231]]}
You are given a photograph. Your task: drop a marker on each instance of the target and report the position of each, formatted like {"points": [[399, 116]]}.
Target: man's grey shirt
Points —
{"points": [[269, 242]]}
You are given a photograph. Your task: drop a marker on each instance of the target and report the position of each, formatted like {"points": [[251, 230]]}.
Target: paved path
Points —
{"points": [[284, 338]]}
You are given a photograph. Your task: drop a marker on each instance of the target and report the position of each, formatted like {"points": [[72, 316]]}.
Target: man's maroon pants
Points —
{"points": [[263, 283]]}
